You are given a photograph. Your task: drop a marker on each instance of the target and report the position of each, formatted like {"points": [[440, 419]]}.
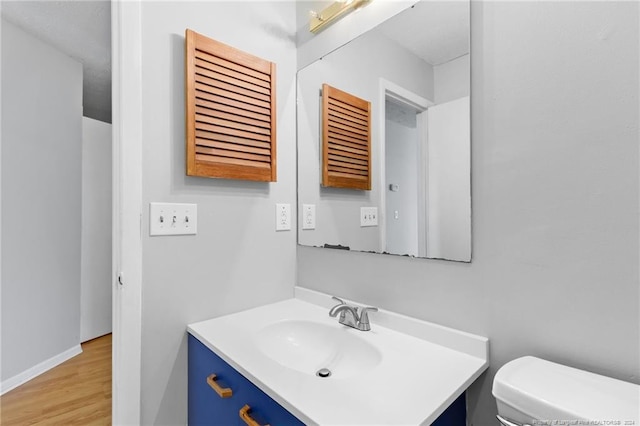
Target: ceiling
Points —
{"points": [[436, 31], [82, 30]]}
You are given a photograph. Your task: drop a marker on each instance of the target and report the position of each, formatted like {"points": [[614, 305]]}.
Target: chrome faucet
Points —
{"points": [[349, 315]]}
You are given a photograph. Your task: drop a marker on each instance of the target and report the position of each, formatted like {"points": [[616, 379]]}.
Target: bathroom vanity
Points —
{"points": [[261, 366]]}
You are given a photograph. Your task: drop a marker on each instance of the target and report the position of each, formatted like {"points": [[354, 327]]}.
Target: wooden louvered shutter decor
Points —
{"points": [[230, 112], [346, 140]]}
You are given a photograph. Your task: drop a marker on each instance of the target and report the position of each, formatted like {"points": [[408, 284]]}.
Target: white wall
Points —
{"points": [[449, 194], [449, 208], [337, 209], [451, 80], [41, 201], [555, 199], [95, 270], [237, 260]]}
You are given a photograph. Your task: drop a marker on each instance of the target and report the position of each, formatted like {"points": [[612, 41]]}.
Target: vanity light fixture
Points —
{"points": [[332, 13]]}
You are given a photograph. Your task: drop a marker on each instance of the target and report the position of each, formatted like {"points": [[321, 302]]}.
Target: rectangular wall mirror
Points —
{"points": [[414, 68]]}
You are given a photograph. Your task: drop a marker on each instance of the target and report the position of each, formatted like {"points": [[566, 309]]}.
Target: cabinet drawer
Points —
{"points": [[206, 407]]}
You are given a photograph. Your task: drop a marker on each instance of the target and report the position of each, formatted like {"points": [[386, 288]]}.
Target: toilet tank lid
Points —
{"points": [[545, 390]]}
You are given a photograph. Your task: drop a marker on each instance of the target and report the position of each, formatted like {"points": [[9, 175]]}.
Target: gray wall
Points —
{"points": [[555, 199], [41, 193], [237, 260]]}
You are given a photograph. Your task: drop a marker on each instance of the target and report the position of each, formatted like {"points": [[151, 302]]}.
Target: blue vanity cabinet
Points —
{"points": [[206, 407]]}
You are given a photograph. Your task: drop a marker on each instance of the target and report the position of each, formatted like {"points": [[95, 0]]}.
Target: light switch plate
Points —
{"points": [[283, 217], [173, 219], [368, 216], [308, 216]]}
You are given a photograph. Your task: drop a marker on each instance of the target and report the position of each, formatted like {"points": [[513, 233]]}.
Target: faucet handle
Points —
{"points": [[364, 317], [339, 300]]}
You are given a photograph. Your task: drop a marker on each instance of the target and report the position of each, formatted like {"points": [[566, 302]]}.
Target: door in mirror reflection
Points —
{"points": [[414, 69], [403, 168]]}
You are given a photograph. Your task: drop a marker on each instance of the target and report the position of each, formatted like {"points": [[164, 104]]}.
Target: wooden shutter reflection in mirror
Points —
{"points": [[346, 140], [230, 112]]}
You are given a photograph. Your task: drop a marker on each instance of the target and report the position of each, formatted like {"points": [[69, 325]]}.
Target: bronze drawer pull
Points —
{"points": [[246, 417], [222, 392]]}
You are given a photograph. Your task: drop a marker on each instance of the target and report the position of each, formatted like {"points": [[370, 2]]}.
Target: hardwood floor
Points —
{"points": [[77, 392]]}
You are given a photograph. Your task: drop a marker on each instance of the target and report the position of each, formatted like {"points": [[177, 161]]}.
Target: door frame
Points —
{"points": [[126, 54], [388, 89]]}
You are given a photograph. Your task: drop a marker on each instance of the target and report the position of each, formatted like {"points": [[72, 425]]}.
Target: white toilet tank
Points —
{"points": [[533, 391]]}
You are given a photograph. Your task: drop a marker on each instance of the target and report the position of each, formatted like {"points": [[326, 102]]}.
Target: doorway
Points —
{"points": [[402, 167], [56, 182], [403, 170]]}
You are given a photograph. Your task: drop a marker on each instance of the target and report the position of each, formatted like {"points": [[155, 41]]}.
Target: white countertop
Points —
{"points": [[424, 367]]}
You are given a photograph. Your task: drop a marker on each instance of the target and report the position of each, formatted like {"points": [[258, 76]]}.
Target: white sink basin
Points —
{"points": [[308, 346]]}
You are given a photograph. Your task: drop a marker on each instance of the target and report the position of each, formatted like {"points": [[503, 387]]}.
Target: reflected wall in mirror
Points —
{"points": [[414, 68]]}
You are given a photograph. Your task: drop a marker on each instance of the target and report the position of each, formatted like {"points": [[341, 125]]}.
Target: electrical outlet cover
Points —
{"points": [[283, 217], [308, 216]]}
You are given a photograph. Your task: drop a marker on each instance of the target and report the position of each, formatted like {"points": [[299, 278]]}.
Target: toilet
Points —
{"points": [[533, 391]]}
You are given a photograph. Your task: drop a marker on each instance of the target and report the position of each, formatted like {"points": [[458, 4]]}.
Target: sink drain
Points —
{"points": [[323, 372]]}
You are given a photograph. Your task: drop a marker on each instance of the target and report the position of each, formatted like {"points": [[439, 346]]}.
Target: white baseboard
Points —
{"points": [[36, 370]]}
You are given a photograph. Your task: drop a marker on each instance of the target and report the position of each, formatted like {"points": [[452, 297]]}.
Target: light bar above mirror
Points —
{"points": [[320, 20]]}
